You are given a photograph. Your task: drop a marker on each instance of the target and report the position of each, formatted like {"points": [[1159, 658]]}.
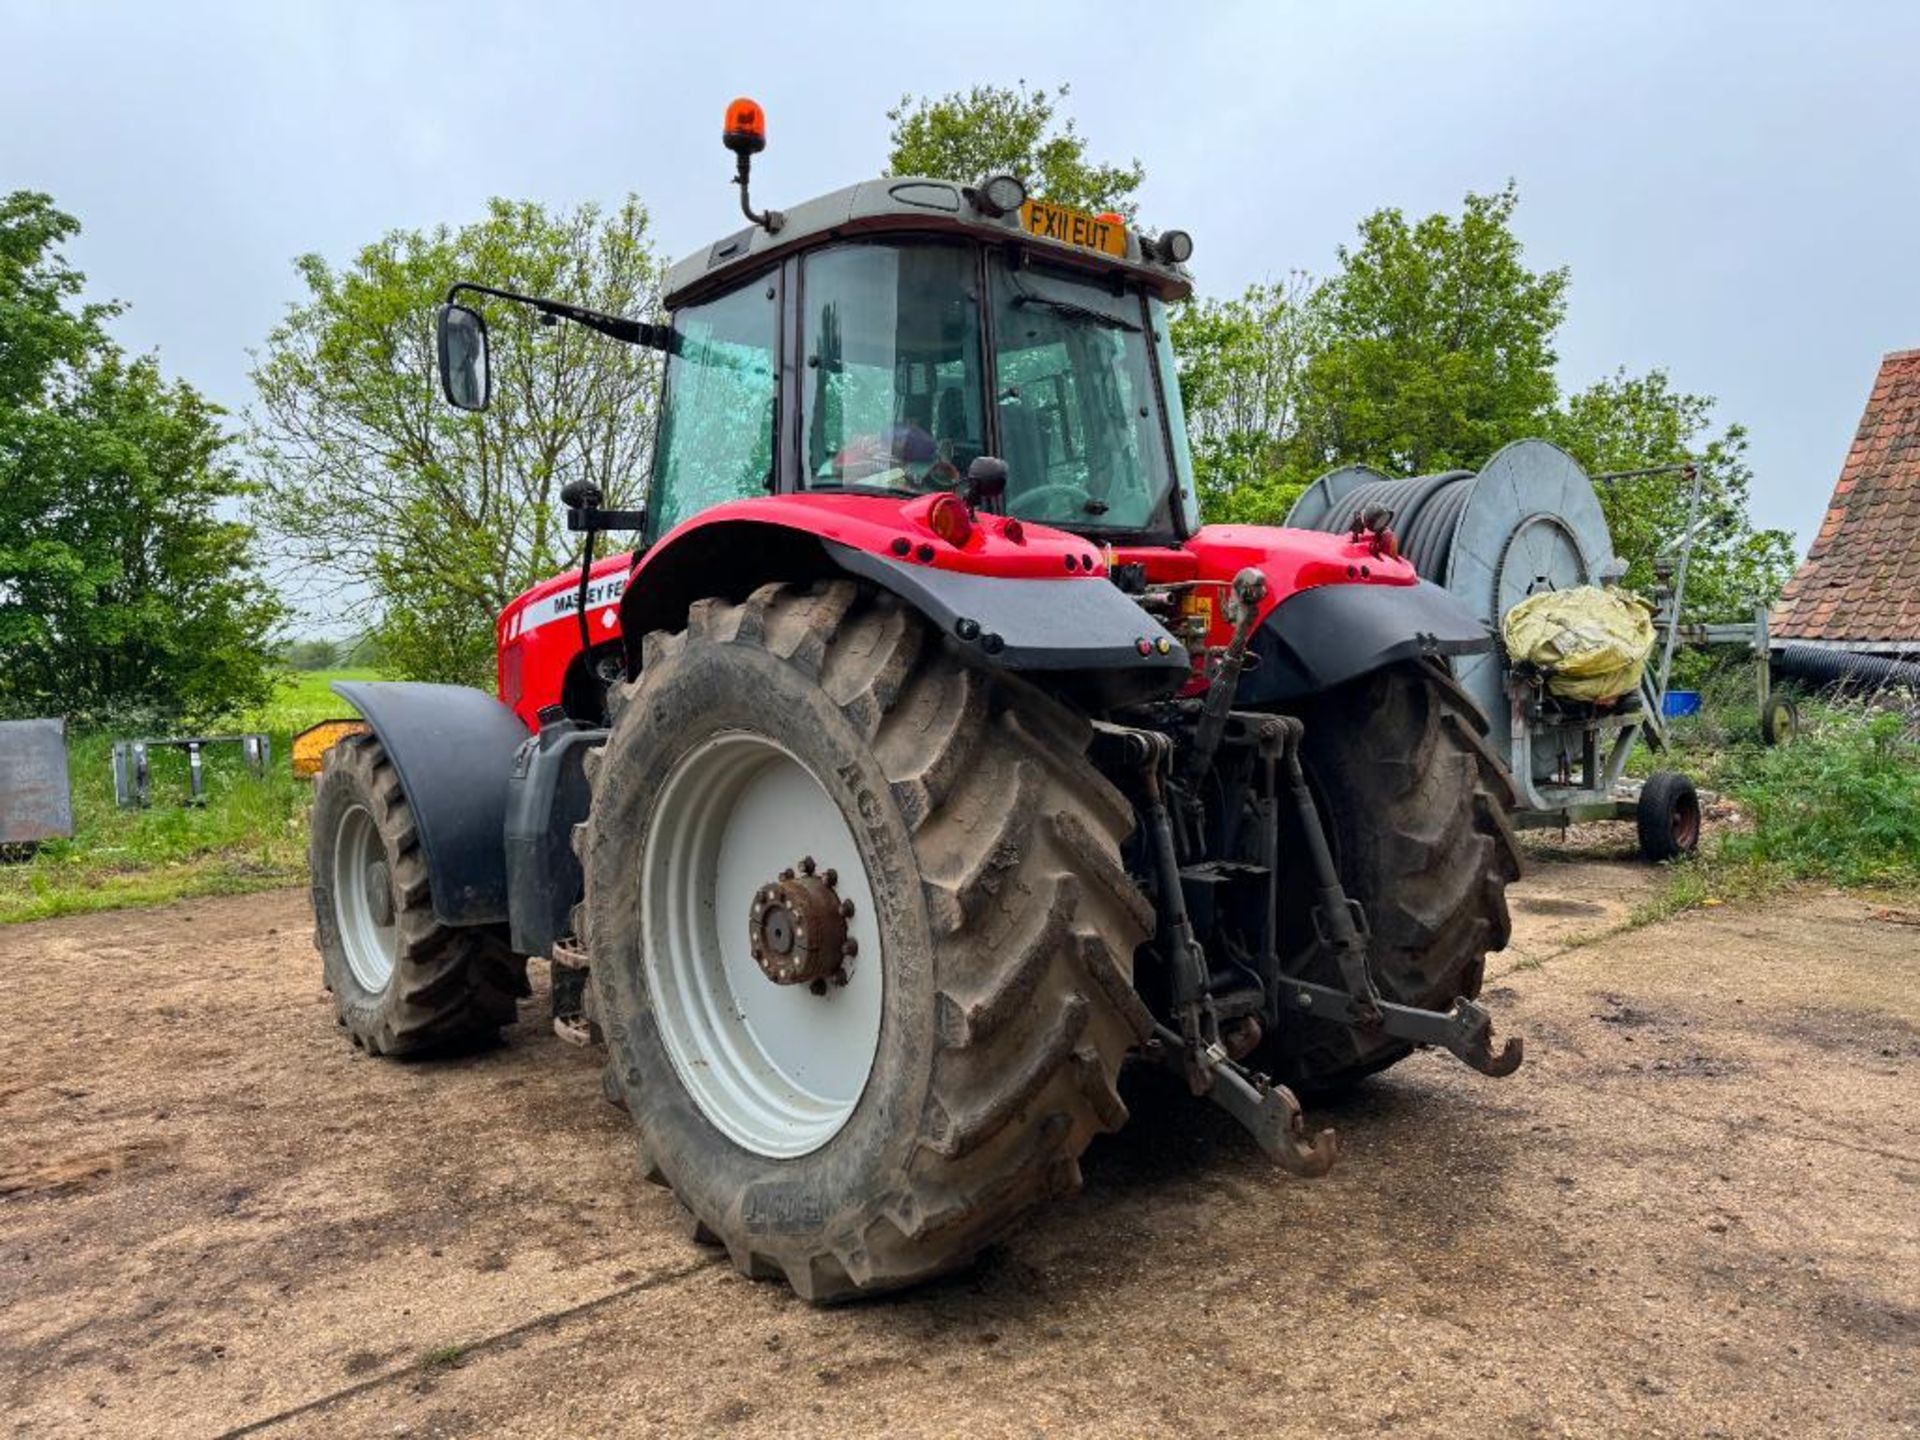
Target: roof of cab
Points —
{"points": [[898, 202]]}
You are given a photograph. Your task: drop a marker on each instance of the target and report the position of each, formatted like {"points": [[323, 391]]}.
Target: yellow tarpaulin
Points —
{"points": [[1591, 643]]}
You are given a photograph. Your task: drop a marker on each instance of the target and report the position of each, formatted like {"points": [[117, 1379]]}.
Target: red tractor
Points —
{"points": [[928, 757]]}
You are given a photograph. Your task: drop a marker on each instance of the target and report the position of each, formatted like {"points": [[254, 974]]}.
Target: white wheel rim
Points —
{"points": [[370, 943], [777, 1068]]}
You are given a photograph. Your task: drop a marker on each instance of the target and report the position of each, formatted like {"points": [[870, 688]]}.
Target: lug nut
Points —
{"points": [[786, 874], [851, 948], [846, 908], [818, 987], [806, 865], [832, 877]]}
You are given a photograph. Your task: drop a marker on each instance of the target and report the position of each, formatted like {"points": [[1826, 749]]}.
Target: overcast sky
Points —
{"points": [[1736, 187]]}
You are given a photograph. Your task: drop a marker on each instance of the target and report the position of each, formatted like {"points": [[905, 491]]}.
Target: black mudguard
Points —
{"points": [[1085, 635], [453, 749], [1331, 634]]}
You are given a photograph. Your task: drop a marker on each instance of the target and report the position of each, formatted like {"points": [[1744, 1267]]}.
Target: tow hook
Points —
{"points": [[1266, 1111], [1466, 1030]]}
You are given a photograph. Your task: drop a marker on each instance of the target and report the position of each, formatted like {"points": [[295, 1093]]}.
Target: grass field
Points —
{"points": [[250, 834]]}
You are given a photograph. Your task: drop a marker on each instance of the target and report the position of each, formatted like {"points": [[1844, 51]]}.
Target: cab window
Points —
{"points": [[891, 378], [716, 440]]}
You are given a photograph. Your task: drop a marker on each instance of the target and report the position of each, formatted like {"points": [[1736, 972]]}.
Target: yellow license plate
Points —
{"points": [[1074, 227]]}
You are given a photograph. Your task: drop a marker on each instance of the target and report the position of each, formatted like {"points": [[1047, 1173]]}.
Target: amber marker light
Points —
{"points": [[947, 517]]}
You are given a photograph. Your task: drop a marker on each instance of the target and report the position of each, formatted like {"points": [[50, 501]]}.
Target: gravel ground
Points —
{"points": [[1694, 1211]]}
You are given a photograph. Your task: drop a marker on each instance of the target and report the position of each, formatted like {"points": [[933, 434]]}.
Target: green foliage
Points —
{"points": [[1439, 345], [1627, 422], [440, 516], [1429, 348], [315, 654], [1241, 367], [993, 130], [250, 835], [1840, 803], [122, 590]]}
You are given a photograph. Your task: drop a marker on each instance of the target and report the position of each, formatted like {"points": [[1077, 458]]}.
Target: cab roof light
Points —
{"points": [[999, 195], [746, 132], [1175, 247]]}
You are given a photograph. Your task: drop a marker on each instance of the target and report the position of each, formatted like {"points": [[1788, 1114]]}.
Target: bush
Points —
{"points": [[1840, 803]]}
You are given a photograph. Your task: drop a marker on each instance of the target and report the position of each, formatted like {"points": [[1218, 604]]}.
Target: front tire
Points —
{"points": [[857, 1137], [402, 983]]}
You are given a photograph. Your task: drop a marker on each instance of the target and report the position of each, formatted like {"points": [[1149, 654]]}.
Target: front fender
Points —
{"points": [[453, 749], [1331, 634]]}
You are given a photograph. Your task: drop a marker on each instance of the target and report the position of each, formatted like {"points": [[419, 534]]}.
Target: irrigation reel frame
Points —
{"points": [[1530, 519]]}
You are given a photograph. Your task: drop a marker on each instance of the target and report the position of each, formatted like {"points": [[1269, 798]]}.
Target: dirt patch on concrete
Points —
{"points": [[1695, 1211]]}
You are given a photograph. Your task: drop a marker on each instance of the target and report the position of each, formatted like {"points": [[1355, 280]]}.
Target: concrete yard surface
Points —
{"points": [[1694, 1211]]}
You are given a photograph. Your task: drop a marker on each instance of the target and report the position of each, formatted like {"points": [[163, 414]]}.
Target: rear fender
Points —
{"points": [[453, 749], [1326, 636]]}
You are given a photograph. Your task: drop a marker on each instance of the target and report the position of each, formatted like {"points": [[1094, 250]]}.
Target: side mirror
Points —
{"points": [[466, 377]]}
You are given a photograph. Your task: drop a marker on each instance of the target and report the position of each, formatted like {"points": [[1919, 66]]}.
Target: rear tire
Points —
{"points": [[1002, 936], [402, 983], [1416, 807]]}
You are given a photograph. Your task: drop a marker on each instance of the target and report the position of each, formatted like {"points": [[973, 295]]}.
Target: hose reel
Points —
{"points": [[1527, 521]]}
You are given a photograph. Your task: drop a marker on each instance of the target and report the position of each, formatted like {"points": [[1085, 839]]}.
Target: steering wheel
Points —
{"points": [[1043, 502]]}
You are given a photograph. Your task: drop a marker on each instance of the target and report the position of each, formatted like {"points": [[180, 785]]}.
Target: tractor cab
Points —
{"points": [[887, 336]]}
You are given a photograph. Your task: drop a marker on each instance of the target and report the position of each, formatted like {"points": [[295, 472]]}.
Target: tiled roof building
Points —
{"points": [[1859, 587]]}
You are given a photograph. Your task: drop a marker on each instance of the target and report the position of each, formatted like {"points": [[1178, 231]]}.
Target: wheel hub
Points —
{"points": [[379, 882], [797, 928]]}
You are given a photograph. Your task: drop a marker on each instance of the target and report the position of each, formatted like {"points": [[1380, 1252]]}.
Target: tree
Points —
{"points": [[123, 593], [1241, 363], [993, 130], [318, 653], [436, 517], [1627, 422], [1439, 343], [1429, 347]]}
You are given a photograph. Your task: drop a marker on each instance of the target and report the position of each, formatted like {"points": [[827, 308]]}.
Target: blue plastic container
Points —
{"points": [[1680, 702]]}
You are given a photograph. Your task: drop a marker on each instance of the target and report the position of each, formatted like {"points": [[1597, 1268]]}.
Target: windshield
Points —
{"points": [[893, 381], [1079, 412]]}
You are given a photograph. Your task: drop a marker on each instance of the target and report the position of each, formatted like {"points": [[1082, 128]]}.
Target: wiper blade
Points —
{"points": [[1077, 312]]}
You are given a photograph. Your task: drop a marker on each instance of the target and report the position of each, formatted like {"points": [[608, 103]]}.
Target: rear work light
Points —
{"points": [[947, 517]]}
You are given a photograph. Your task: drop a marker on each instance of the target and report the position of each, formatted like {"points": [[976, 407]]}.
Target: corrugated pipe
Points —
{"points": [[1843, 667]]}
